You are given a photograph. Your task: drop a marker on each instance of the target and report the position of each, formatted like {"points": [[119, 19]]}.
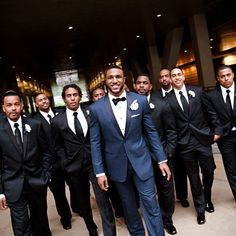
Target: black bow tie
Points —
{"points": [[116, 100]]}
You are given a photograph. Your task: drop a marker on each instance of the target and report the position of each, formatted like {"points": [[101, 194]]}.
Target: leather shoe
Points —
{"points": [[201, 219], [184, 203], [170, 229], [66, 224], [210, 207], [93, 232]]}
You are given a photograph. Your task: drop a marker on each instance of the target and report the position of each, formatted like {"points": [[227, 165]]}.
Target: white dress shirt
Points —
{"points": [[165, 91], [231, 94], [120, 111], [184, 91], [81, 118], [19, 122], [45, 115]]}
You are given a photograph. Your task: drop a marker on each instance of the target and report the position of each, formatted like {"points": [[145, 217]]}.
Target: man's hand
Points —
{"points": [[3, 203], [103, 182], [165, 170], [216, 137]]}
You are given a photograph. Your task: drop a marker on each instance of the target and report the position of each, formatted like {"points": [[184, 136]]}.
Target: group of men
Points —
{"points": [[124, 142]]}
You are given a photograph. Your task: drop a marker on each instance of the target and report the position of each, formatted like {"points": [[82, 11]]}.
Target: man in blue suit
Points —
{"points": [[119, 122]]}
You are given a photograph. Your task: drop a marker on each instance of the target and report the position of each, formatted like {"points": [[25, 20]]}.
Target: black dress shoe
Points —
{"points": [[184, 203], [201, 219], [66, 224], [93, 232], [210, 207], [170, 229]]}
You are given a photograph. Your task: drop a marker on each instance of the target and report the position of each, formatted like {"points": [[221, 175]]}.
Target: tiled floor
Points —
{"points": [[220, 223]]}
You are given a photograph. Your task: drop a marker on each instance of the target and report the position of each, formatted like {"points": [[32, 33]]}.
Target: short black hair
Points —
{"points": [[223, 67], [113, 67], [10, 93], [74, 86], [38, 95], [142, 74]]}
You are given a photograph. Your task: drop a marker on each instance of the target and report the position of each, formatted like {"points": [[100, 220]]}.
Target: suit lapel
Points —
{"points": [[128, 113], [174, 101], [25, 136], [112, 116], [8, 129], [221, 100]]}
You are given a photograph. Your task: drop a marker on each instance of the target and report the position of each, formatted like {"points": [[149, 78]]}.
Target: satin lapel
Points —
{"points": [[190, 99], [86, 115], [128, 113], [8, 129], [234, 108], [110, 112], [25, 136], [221, 100], [175, 102], [65, 124]]}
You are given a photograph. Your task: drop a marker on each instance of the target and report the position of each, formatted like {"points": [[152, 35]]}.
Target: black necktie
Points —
{"points": [[166, 93], [18, 136], [228, 102], [78, 127], [116, 100], [50, 118], [184, 102]]}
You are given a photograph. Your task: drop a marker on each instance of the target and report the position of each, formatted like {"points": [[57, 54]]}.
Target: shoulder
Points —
{"points": [[98, 104], [58, 118], [136, 96]]}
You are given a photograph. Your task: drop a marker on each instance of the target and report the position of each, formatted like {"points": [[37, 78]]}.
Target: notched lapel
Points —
{"points": [[8, 129]]}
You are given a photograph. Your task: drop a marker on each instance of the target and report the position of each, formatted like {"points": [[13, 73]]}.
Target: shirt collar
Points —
{"points": [[231, 88], [70, 112], [45, 114], [19, 122], [112, 96]]}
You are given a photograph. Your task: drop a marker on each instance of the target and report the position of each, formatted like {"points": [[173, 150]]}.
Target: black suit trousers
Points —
{"points": [[57, 186], [165, 192], [227, 146], [29, 213]]}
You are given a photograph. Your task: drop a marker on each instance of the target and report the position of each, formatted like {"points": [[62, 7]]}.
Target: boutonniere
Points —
{"points": [[27, 128], [191, 93], [87, 112], [152, 106], [134, 105]]}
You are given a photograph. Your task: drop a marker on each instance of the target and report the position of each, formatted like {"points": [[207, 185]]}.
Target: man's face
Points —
{"points": [[177, 78], [143, 85], [72, 99], [42, 102], [115, 81], [225, 77], [165, 80], [12, 107], [97, 94]]}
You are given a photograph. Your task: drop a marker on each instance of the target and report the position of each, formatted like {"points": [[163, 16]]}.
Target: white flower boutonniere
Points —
{"points": [[152, 106], [191, 93], [134, 105], [87, 112], [27, 128]]}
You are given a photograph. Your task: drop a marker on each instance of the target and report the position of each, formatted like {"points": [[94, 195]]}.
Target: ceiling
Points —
{"points": [[35, 39]]}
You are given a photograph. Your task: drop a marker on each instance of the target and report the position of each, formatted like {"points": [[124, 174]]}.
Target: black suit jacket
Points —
{"points": [[199, 120], [164, 121], [72, 149], [217, 104], [49, 136], [33, 166]]}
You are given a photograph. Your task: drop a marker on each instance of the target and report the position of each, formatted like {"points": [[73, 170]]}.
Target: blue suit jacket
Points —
{"points": [[111, 150]]}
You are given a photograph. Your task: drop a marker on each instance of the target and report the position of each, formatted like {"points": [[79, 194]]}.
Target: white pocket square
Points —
{"points": [[135, 115]]}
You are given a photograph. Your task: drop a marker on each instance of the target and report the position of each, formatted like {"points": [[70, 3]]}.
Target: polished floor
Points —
{"points": [[220, 223]]}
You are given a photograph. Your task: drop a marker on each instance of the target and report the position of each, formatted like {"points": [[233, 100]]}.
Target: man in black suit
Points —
{"points": [[180, 175], [188, 104], [164, 122], [57, 184], [223, 101], [72, 145], [25, 169]]}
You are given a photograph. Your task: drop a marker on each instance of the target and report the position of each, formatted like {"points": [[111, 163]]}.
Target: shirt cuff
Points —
{"points": [[162, 162], [99, 175], [2, 196]]}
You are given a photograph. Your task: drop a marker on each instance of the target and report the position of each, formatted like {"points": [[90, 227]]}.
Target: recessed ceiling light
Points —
{"points": [[116, 57], [185, 51], [70, 58], [70, 27], [109, 64], [13, 67], [158, 15], [211, 47], [211, 39], [29, 77], [124, 49], [137, 36]]}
